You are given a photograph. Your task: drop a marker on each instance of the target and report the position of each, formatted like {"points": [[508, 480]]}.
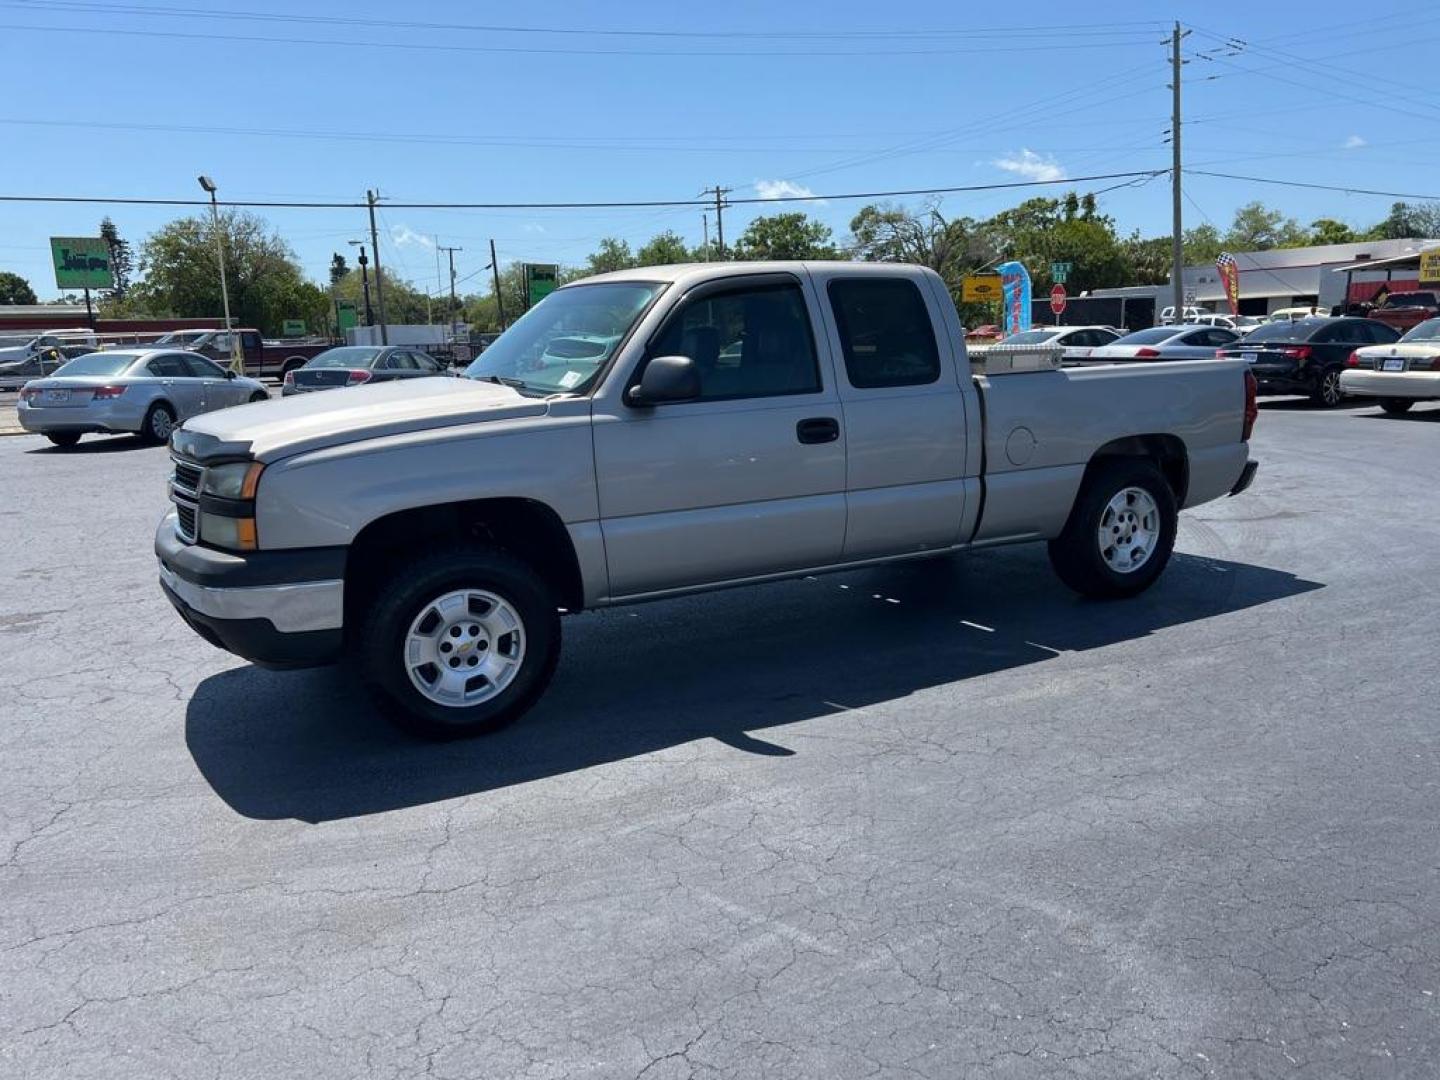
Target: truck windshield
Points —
{"points": [[563, 341]]}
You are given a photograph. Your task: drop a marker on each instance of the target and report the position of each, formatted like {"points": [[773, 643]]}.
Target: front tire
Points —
{"points": [[1327, 393], [459, 643], [64, 439], [159, 423], [1396, 406], [259, 395], [1120, 532]]}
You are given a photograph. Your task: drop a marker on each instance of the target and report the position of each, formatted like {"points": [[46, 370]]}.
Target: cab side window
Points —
{"points": [[250, 341], [885, 332], [746, 342]]}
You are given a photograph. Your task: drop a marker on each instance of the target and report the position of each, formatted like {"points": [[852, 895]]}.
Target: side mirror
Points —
{"points": [[666, 379], [229, 373]]}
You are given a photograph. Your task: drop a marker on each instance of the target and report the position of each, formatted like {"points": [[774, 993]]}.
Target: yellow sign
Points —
{"points": [[979, 288], [1430, 265]]}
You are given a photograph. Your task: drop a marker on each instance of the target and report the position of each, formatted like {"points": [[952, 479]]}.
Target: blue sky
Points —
{"points": [[314, 102]]}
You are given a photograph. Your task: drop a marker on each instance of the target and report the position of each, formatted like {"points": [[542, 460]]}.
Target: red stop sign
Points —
{"points": [[1057, 299]]}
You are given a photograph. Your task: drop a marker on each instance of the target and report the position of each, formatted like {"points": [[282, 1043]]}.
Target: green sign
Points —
{"points": [[346, 316], [1059, 271], [81, 262], [293, 328], [540, 281]]}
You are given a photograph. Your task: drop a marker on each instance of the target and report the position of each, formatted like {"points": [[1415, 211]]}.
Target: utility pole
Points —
{"points": [[719, 193], [372, 197], [1177, 238], [453, 306], [499, 297], [705, 225], [364, 280]]}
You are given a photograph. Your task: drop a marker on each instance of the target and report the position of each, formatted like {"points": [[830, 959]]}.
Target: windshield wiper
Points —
{"points": [[503, 380]]}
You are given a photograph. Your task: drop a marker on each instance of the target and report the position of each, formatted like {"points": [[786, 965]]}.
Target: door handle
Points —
{"points": [[818, 429]]}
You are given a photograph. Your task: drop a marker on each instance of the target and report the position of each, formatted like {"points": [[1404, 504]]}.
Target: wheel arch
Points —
{"points": [[527, 528], [1167, 452]]}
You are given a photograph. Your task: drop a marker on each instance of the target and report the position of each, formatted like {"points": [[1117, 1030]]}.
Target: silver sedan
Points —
{"points": [[141, 391], [1166, 343]]}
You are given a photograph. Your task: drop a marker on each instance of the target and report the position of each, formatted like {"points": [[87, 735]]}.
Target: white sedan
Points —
{"points": [[1399, 374], [1075, 342], [138, 391]]}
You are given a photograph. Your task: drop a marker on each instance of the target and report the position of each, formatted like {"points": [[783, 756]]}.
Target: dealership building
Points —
{"points": [[1324, 276]]}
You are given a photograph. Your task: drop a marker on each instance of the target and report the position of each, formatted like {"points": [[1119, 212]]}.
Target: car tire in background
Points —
{"points": [[64, 439], [159, 422], [1395, 406], [259, 395], [1327, 393], [459, 643], [1120, 532]]}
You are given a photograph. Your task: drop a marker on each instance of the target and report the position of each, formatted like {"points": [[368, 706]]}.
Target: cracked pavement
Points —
{"points": [[928, 821]]}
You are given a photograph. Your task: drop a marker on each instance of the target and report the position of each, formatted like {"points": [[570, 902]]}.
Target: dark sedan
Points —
{"points": [[1307, 356], [351, 365]]}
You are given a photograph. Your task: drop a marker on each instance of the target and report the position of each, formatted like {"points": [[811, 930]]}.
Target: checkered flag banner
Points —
{"points": [[1230, 278]]}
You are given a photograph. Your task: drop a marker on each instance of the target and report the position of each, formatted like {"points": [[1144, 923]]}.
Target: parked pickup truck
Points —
{"points": [[742, 422], [1406, 310], [262, 358]]}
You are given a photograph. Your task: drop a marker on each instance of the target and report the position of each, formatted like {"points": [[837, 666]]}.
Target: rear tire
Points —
{"points": [[1120, 533], [159, 423], [259, 395], [1395, 406], [64, 439], [1327, 393], [459, 643]]}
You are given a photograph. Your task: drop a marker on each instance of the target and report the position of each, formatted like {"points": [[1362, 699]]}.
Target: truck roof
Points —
{"points": [[679, 272]]}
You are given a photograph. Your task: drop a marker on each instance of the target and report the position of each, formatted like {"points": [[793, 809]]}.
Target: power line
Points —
{"points": [[272, 204], [1316, 187]]}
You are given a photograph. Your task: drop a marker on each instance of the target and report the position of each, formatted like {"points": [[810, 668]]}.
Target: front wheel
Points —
{"points": [[460, 643], [1327, 393], [64, 439], [1120, 532], [1396, 406], [159, 423], [259, 395]]}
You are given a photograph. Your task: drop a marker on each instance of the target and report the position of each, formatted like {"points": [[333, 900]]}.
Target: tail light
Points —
{"points": [[29, 393], [1296, 352], [1252, 405], [1219, 354], [290, 377], [107, 393], [1353, 360], [358, 377], [1146, 354]]}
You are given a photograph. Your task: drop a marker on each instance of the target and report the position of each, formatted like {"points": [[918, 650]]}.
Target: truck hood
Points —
{"points": [[278, 428], [14, 353]]}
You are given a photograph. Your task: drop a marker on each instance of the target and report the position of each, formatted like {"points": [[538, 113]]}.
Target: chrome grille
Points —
{"points": [[185, 494]]}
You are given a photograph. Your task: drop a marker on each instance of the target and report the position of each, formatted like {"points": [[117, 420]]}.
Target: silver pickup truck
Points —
{"points": [[659, 431]]}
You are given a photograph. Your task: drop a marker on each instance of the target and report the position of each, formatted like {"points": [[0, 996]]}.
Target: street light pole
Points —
{"points": [[237, 359], [364, 280]]}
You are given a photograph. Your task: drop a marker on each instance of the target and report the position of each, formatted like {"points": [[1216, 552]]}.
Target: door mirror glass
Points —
{"points": [[229, 373], [666, 379]]}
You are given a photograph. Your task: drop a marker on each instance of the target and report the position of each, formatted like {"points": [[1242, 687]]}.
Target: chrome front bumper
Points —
{"points": [[291, 609]]}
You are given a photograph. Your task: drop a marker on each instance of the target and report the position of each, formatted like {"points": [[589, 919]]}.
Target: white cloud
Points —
{"points": [[404, 236], [1354, 142], [783, 189], [1031, 166]]}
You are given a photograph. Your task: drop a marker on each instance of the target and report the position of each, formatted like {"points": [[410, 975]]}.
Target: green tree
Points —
{"points": [[122, 260], [339, 268], [1149, 260], [1203, 244], [1329, 231], [786, 236], [613, 254], [662, 249], [889, 233], [1407, 220], [14, 289], [403, 302], [1257, 227], [265, 283], [1042, 231]]}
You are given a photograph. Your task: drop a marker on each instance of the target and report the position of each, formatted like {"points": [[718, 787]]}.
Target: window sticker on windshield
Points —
{"points": [[570, 378]]}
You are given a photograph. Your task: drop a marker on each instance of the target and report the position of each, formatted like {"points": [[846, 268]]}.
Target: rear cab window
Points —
{"points": [[886, 334]]}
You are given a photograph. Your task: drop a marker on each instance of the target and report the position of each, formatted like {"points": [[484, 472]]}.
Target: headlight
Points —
{"points": [[237, 480]]}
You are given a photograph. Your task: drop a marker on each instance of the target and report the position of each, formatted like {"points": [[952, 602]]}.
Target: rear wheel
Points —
{"points": [[1120, 532], [259, 395], [295, 363], [1395, 406], [65, 439], [459, 643], [1327, 393], [159, 422]]}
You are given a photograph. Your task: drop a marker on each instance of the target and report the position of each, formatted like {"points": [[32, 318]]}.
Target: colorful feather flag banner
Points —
{"points": [[1015, 281], [1230, 278]]}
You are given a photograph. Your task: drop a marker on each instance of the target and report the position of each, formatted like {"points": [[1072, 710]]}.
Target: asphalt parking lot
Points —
{"points": [[944, 820]]}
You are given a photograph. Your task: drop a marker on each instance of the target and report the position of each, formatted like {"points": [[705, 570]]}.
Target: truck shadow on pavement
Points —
{"points": [[308, 744]]}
